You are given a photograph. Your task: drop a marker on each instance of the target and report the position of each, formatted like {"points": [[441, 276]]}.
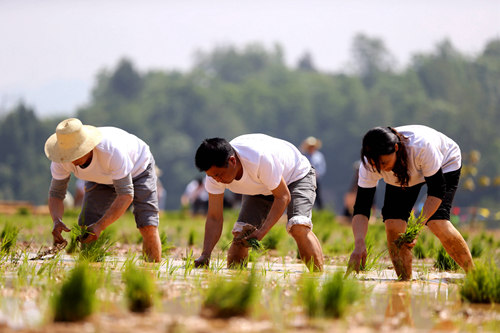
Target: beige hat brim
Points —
{"points": [[57, 154]]}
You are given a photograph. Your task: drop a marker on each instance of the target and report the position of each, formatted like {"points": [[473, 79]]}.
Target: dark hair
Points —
{"points": [[213, 152], [382, 141]]}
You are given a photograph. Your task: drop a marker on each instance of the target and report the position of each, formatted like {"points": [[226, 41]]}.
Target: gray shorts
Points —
{"points": [[255, 208], [99, 197]]}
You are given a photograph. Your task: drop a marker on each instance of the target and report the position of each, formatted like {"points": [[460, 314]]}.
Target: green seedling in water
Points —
{"points": [[413, 228], [139, 288], [227, 299], [330, 300], [482, 284], [77, 297], [444, 262], [8, 238], [98, 250]]}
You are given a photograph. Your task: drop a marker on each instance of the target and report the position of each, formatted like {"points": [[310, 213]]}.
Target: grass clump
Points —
{"points": [[8, 238], [228, 298], [482, 284], [139, 288], [330, 300], [77, 297], [413, 229], [444, 262], [98, 250]]}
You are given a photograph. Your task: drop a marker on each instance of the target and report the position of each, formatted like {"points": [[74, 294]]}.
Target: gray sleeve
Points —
{"points": [[58, 188], [124, 185]]}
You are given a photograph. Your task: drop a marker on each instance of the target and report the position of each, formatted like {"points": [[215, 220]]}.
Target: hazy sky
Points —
{"points": [[51, 50]]}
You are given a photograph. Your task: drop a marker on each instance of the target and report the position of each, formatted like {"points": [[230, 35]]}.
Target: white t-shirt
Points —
{"points": [[264, 160], [118, 154], [428, 151]]}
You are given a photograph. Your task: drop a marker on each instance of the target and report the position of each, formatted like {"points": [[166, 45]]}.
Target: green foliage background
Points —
{"points": [[231, 91]]}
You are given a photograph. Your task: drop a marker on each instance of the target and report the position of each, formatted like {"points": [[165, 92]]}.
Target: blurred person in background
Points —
{"points": [[195, 197], [310, 148]]}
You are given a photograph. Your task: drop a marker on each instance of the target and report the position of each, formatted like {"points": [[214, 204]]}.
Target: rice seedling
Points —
{"points": [[228, 298], [413, 229], [273, 238], [77, 297], [444, 262], [98, 250], [139, 288], [477, 248], [8, 238], [191, 237], [482, 284], [331, 299]]}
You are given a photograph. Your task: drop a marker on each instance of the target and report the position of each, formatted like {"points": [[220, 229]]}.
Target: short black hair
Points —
{"points": [[213, 152]]}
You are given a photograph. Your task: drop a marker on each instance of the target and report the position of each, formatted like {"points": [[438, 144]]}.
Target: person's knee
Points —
{"points": [[149, 231], [299, 231], [394, 226]]}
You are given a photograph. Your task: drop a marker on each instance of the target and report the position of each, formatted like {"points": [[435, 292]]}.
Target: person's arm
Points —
{"points": [[57, 193], [436, 187], [125, 195], [364, 200], [213, 228], [282, 198]]}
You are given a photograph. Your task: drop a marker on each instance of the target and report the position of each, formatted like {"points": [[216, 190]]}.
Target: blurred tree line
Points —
{"points": [[231, 91]]}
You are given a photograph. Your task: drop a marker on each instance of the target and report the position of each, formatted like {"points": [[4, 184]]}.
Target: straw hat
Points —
{"points": [[311, 142], [71, 141]]}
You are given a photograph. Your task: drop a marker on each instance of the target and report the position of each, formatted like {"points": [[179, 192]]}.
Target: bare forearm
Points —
{"points": [[359, 228], [277, 209], [431, 205], [213, 231], [56, 208], [116, 210]]}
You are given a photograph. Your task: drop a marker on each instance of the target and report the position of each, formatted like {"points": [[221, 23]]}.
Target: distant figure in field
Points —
{"points": [[195, 197], [310, 149], [273, 176], [118, 169], [408, 157]]}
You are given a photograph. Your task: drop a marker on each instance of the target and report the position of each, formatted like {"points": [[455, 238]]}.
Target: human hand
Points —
{"points": [[91, 233], [357, 260], [59, 226], [202, 261]]}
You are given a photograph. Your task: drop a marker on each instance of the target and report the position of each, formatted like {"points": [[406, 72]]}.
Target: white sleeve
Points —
{"points": [[58, 171], [213, 187], [367, 178]]}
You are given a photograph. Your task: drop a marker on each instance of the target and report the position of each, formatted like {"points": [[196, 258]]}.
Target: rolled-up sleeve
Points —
{"points": [[58, 188], [124, 185]]}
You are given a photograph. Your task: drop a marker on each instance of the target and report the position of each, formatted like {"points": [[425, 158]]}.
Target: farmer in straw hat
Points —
{"points": [[273, 176], [119, 170], [408, 157], [310, 147]]}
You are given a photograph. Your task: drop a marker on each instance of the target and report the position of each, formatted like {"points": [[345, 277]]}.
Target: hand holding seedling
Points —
{"points": [[413, 229], [202, 261], [357, 260], [90, 234], [59, 227]]}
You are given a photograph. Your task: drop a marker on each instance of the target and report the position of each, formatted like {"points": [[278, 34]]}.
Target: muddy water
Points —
{"points": [[430, 302]]}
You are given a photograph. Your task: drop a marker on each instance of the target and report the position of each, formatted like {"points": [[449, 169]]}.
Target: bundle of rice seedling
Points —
{"points": [[482, 284], [77, 297], [414, 226], [228, 298], [444, 262], [139, 288], [331, 299]]}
